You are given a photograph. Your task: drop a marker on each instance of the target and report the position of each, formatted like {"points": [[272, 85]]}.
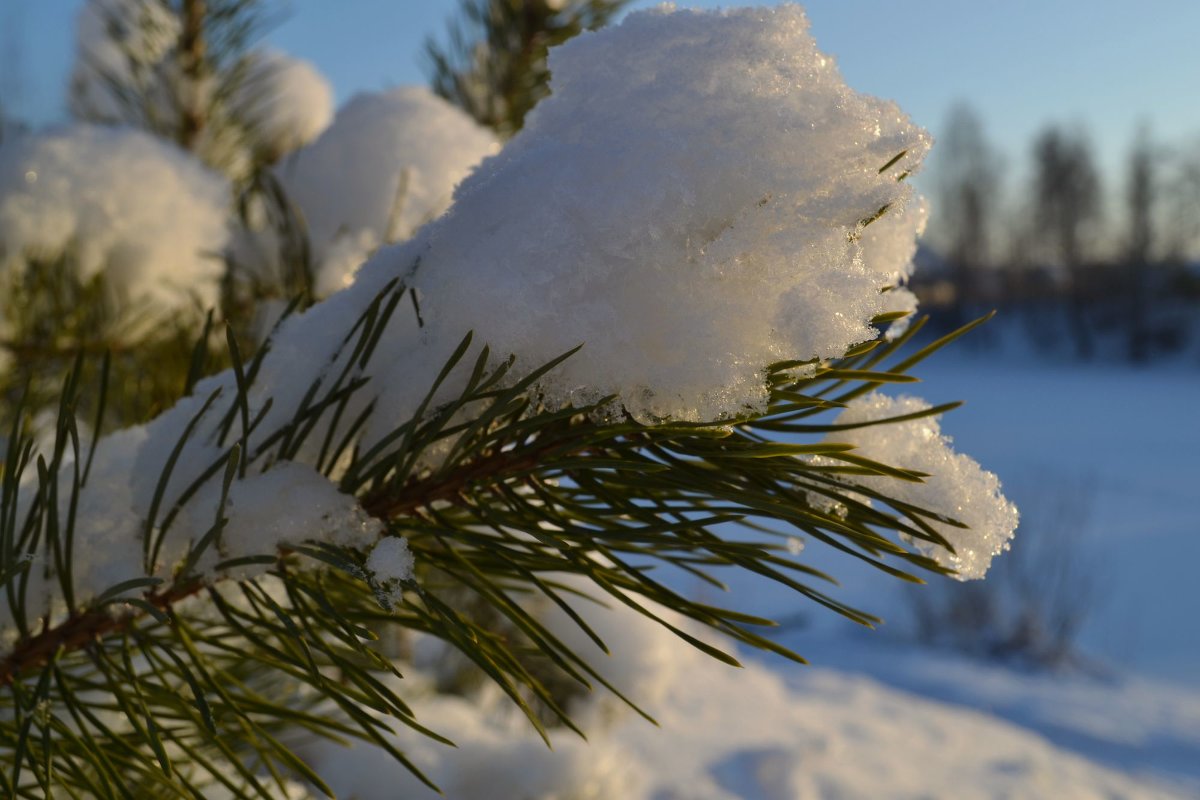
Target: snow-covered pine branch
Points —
{"points": [[711, 215]]}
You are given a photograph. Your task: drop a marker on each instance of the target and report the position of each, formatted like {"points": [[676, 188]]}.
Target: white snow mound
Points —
{"points": [[121, 202], [285, 102], [958, 488], [687, 204], [387, 165]]}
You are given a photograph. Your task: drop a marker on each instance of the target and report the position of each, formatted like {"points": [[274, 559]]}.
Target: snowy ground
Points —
{"points": [[757, 734], [1131, 435], [877, 716], [1122, 439], [1146, 728]]}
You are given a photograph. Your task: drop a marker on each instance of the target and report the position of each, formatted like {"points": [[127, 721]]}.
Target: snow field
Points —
{"points": [[789, 733]]}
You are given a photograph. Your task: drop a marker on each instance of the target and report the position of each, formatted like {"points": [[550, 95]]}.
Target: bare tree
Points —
{"points": [[1141, 193], [9, 126], [12, 54], [12, 68], [1181, 218], [1032, 609], [1067, 201], [967, 185]]}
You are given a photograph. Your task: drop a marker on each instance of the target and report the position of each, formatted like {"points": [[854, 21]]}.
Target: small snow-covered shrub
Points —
{"points": [[110, 241], [187, 72], [1034, 604], [387, 164]]}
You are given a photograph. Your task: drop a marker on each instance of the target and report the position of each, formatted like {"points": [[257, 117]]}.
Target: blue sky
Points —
{"points": [[1106, 65]]}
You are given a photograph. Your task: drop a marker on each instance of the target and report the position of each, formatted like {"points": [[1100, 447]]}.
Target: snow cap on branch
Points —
{"points": [[957, 488], [687, 204], [387, 165], [285, 102], [889, 245], [146, 214]]}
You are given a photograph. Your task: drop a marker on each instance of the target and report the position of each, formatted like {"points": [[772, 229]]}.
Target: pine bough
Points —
{"points": [[645, 333]]}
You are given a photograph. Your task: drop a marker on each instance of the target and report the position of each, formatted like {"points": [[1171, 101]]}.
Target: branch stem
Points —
{"points": [[192, 53]]}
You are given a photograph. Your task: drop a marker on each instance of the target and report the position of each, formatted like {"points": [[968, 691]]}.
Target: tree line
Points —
{"points": [[1092, 267]]}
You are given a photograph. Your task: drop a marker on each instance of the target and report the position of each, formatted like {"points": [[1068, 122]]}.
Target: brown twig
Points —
{"points": [[192, 55], [80, 630], [389, 504]]}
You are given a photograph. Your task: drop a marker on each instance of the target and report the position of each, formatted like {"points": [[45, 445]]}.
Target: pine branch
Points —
{"points": [[561, 446], [186, 603], [82, 630], [493, 64], [597, 498], [386, 505]]}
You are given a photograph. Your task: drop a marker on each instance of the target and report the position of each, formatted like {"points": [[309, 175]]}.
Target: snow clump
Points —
{"points": [[119, 202], [288, 504], [284, 102], [390, 565], [688, 204], [957, 487], [387, 165]]}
